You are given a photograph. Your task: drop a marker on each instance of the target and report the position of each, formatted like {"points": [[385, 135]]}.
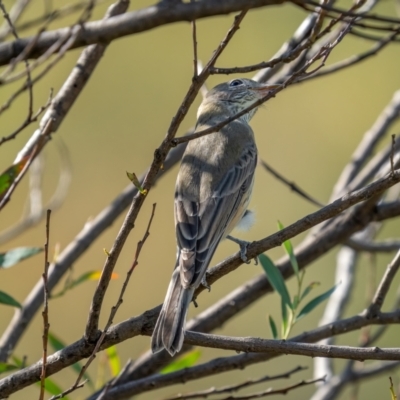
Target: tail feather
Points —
{"points": [[169, 330]]}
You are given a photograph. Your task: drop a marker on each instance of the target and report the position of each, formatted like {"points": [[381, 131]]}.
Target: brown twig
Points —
{"points": [[233, 388], [28, 120], [286, 57], [28, 83], [291, 185], [194, 38], [38, 146], [384, 285], [393, 149], [350, 13], [272, 392], [355, 59], [114, 309], [45, 313]]}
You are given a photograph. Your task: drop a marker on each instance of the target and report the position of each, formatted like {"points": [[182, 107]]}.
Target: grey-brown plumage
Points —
{"points": [[212, 193]]}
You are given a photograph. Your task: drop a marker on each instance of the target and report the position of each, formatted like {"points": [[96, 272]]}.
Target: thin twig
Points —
{"points": [[233, 388], [28, 121], [45, 313], [28, 83], [194, 38], [355, 59], [384, 285], [392, 153], [291, 185], [349, 13], [272, 392], [114, 309], [384, 246]]}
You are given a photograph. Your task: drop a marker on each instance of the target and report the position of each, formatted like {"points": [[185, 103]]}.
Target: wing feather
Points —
{"points": [[201, 225]]}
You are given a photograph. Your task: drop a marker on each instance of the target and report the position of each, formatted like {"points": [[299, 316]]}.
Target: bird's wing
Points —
{"points": [[200, 226]]}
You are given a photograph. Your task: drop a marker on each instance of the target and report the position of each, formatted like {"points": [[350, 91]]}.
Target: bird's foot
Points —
{"points": [[243, 249], [205, 284]]}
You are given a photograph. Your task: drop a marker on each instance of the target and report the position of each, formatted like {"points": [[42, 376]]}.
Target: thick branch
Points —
{"points": [[104, 31]]}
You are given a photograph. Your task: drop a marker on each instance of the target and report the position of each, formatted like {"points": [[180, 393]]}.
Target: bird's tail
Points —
{"points": [[169, 330]]}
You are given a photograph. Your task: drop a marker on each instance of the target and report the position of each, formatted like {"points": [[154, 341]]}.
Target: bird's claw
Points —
{"points": [[205, 284], [243, 244]]}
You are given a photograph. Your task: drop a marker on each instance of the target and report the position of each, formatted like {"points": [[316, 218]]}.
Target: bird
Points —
{"points": [[212, 193]]}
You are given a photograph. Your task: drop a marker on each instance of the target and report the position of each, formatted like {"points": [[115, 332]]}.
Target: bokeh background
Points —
{"points": [[308, 133]]}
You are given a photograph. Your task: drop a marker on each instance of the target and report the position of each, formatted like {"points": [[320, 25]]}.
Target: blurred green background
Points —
{"points": [[308, 132]]}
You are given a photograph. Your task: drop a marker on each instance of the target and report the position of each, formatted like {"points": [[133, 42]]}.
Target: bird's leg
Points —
{"points": [[243, 249], [204, 283]]}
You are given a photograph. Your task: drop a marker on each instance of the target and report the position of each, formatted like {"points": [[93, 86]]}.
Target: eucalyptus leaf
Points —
{"points": [[51, 387], [5, 367], [315, 302], [8, 300], [272, 325], [113, 360], [14, 256], [57, 344], [287, 245], [275, 278], [308, 289], [185, 361]]}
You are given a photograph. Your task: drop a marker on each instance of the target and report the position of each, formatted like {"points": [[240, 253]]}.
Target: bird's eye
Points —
{"points": [[236, 82]]}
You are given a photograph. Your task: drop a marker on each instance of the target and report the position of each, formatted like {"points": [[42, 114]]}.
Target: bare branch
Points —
{"points": [[45, 313], [233, 388], [264, 393], [384, 285], [133, 22], [291, 185]]}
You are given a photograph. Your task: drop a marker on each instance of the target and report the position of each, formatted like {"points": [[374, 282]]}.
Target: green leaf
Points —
{"points": [[285, 319], [308, 289], [8, 300], [57, 344], [87, 276], [51, 387], [113, 360], [315, 302], [185, 361], [4, 367], [287, 245], [275, 278], [12, 257], [272, 325], [18, 362], [296, 301], [8, 177]]}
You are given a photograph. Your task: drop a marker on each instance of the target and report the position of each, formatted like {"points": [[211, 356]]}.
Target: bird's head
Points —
{"points": [[234, 96]]}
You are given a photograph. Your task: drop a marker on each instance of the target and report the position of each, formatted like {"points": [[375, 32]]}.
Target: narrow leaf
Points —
{"points": [[272, 325], [4, 367], [315, 302], [12, 257], [308, 289], [8, 177], [285, 319], [57, 344], [113, 361], [275, 278], [8, 300], [185, 361], [51, 387], [296, 301], [287, 245]]}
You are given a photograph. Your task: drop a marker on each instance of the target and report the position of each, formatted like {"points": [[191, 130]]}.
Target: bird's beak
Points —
{"points": [[266, 88]]}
